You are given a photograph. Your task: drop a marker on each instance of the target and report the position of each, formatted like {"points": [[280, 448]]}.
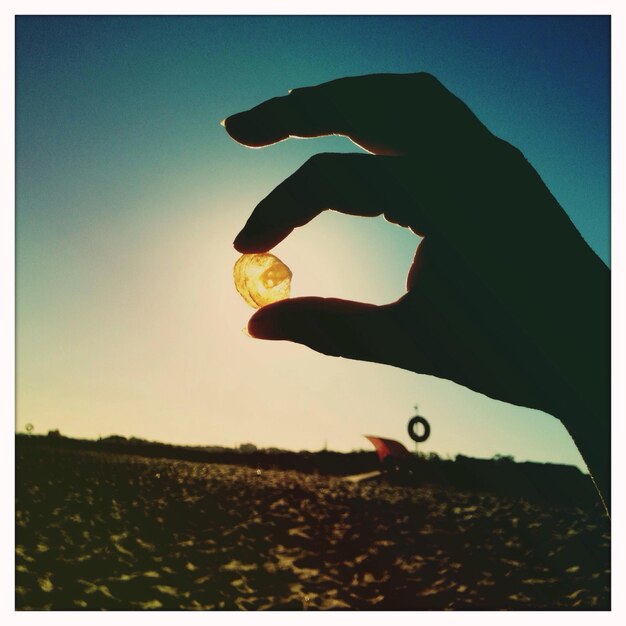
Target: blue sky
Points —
{"points": [[129, 194]]}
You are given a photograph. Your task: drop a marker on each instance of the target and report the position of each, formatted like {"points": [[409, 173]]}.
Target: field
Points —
{"points": [[105, 531]]}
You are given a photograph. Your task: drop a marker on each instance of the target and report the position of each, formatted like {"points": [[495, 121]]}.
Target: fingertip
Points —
{"points": [[300, 319], [239, 243], [250, 129], [266, 323], [244, 244], [239, 129], [285, 319], [233, 126], [256, 237]]}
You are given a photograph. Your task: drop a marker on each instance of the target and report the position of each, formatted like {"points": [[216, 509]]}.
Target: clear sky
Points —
{"points": [[129, 194]]}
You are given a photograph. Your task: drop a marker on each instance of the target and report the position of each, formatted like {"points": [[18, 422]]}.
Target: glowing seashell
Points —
{"points": [[262, 279]]}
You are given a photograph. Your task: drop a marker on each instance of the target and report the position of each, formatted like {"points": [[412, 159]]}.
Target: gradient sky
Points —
{"points": [[129, 194]]}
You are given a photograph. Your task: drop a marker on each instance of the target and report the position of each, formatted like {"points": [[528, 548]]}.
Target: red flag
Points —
{"points": [[388, 447]]}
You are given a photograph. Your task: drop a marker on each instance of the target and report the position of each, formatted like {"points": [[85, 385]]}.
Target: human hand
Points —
{"points": [[504, 296]]}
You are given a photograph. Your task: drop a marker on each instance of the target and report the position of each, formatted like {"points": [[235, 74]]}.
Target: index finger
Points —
{"points": [[305, 112]]}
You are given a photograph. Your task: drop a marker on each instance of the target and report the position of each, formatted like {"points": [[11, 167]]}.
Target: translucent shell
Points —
{"points": [[262, 279]]}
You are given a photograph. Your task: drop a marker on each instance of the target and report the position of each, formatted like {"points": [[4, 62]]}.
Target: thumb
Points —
{"points": [[335, 327]]}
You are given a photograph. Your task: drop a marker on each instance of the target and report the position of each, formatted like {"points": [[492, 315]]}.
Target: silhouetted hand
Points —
{"points": [[504, 296]]}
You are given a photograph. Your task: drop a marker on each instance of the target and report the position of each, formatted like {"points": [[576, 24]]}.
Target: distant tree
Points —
{"points": [[247, 448], [504, 458], [115, 439], [55, 434]]}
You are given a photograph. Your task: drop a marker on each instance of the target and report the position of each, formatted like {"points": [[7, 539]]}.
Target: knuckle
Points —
{"points": [[320, 160], [427, 78], [298, 92]]}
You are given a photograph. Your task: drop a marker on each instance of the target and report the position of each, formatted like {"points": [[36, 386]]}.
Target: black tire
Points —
{"points": [[413, 422]]}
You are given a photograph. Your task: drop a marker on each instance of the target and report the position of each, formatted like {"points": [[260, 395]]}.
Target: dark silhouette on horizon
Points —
{"points": [[549, 483], [504, 295]]}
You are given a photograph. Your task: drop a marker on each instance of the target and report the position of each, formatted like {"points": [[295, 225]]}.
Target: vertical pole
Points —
{"points": [[415, 407]]}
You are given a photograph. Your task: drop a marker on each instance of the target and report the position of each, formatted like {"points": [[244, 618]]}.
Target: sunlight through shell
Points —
{"points": [[262, 279]]}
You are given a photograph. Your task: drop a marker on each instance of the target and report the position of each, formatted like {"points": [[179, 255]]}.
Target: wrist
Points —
{"points": [[578, 385], [582, 402]]}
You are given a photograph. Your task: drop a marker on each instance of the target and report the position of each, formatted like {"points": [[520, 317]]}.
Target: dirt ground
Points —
{"points": [[103, 531]]}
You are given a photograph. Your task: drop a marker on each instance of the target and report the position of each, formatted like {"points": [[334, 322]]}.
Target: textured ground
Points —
{"points": [[98, 531]]}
